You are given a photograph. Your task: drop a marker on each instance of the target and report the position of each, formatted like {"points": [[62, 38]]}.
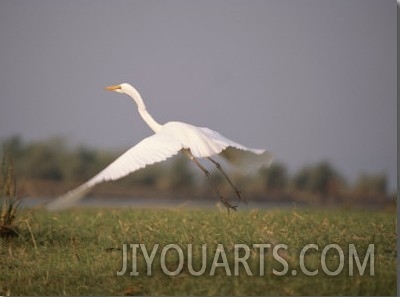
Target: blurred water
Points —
{"points": [[162, 203]]}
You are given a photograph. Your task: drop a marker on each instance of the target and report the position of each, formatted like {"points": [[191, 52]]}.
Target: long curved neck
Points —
{"points": [[132, 92]]}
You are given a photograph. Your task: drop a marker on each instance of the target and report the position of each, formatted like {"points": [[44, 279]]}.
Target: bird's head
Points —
{"points": [[121, 88], [129, 90]]}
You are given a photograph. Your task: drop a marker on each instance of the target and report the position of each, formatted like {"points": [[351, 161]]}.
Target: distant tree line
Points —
{"points": [[53, 161]]}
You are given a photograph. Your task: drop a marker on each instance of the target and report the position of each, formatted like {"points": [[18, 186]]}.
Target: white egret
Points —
{"points": [[168, 140]]}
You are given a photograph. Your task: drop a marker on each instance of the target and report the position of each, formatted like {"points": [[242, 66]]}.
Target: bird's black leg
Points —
{"points": [[237, 191], [208, 175]]}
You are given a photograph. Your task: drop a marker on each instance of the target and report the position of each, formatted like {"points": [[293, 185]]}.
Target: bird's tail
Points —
{"points": [[247, 160]]}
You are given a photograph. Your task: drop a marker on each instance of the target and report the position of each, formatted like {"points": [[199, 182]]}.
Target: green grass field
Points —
{"points": [[80, 251]]}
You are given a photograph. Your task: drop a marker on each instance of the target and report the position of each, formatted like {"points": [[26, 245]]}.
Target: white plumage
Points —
{"points": [[168, 140]]}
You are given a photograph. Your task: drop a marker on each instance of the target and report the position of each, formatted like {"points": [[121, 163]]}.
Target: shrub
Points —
{"points": [[9, 203]]}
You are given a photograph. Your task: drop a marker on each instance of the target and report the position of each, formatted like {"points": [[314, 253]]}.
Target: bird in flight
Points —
{"points": [[168, 140]]}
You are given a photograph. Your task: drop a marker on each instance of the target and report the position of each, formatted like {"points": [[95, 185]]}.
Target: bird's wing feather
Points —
{"points": [[238, 154], [150, 150]]}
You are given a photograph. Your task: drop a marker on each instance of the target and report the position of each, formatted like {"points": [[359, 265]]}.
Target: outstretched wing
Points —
{"points": [[150, 150], [238, 154]]}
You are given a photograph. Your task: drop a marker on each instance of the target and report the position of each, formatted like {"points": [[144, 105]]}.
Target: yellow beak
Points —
{"points": [[112, 88]]}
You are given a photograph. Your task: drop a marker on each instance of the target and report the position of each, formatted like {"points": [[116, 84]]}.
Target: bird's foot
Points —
{"points": [[239, 195], [227, 204]]}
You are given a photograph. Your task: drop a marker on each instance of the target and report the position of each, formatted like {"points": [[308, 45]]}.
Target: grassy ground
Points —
{"points": [[80, 251]]}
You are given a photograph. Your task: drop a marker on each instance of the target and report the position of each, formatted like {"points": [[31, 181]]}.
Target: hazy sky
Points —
{"points": [[308, 80]]}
